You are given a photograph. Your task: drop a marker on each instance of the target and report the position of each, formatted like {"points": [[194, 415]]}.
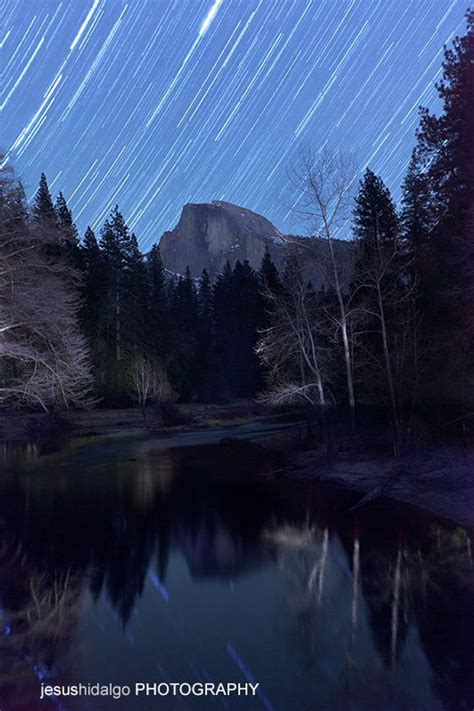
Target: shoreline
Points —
{"points": [[24, 427], [436, 479], [439, 481]]}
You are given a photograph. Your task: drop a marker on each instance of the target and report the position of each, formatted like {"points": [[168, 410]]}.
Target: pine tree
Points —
{"points": [[93, 293], [43, 208], [70, 238], [378, 291], [159, 307], [113, 378], [446, 146], [125, 330], [184, 309], [136, 289], [416, 215], [379, 249], [268, 274], [63, 214], [205, 352], [113, 238], [185, 304], [50, 240], [416, 220], [224, 310], [269, 284], [445, 150], [248, 309], [205, 298], [375, 223]]}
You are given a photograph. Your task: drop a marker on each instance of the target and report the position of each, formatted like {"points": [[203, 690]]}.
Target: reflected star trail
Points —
{"points": [[151, 103]]}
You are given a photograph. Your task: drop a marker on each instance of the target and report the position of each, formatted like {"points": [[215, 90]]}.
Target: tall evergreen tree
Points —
{"points": [[205, 352], [268, 274], [93, 293], [379, 251], [205, 299], [416, 217], [124, 331], [269, 284], [50, 238], [136, 288], [248, 308], [224, 310], [375, 223], [43, 208], [63, 214], [378, 291], [445, 149], [70, 238], [118, 334], [185, 321], [159, 307], [185, 303]]}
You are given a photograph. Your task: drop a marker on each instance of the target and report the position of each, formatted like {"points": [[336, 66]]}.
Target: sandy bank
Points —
{"points": [[438, 480]]}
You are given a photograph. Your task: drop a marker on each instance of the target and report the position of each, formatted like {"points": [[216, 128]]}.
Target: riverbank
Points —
{"points": [[102, 422], [439, 479]]}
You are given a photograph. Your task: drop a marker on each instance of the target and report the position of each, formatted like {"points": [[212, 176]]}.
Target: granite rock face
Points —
{"points": [[209, 234]]}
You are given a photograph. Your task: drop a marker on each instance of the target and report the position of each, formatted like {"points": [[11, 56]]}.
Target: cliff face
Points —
{"points": [[209, 234]]}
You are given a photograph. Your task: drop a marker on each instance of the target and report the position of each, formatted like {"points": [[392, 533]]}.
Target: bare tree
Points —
{"points": [[150, 382], [324, 184], [44, 358], [293, 347]]}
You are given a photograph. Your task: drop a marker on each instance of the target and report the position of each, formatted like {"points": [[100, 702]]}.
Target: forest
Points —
{"points": [[87, 320]]}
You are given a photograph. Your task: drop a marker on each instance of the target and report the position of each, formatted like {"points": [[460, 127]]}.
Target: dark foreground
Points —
{"points": [[142, 561]]}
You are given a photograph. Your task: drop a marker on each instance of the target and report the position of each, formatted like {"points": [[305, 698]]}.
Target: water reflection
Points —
{"points": [[204, 569]]}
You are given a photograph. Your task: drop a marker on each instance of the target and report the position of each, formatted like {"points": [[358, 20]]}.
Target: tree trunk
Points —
{"points": [[388, 368], [345, 335], [118, 350]]}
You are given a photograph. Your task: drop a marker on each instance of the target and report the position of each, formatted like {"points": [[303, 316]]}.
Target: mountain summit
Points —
{"points": [[208, 234]]}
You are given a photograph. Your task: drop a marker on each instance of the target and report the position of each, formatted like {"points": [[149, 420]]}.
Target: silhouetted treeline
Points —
{"points": [[202, 334], [96, 319]]}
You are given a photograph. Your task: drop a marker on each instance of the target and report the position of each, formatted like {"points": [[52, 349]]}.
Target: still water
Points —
{"points": [[180, 560]]}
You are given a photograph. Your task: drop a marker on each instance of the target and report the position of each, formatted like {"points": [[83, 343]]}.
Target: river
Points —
{"points": [[180, 560]]}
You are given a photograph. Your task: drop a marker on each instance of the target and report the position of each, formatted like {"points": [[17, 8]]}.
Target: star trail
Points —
{"points": [[154, 103]]}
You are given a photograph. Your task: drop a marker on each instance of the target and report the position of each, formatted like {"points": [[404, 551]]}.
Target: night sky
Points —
{"points": [[153, 103]]}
